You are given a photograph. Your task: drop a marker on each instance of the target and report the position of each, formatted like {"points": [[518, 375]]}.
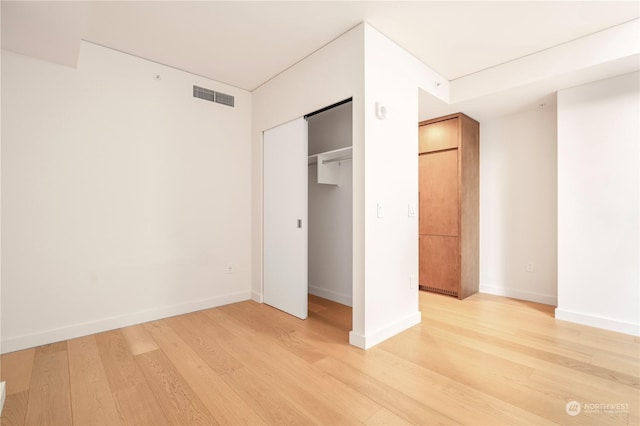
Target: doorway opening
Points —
{"points": [[330, 206], [308, 205]]}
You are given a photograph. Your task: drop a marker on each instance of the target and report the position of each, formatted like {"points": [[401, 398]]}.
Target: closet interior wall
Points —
{"points": [[330, 209]]}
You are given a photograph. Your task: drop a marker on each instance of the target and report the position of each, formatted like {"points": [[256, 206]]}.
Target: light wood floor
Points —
{"points": [[486, 360]]}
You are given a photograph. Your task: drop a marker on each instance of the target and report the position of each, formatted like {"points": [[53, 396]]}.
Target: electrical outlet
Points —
{"points": [[530, 267], [380, 211], [230, 269]]}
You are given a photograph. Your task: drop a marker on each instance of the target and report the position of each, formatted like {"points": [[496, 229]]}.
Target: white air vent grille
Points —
{"points": [[212, 96], [224, 99]]}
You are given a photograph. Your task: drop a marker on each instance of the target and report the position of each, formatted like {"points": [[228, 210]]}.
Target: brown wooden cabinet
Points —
{"points": [[449, 205]]}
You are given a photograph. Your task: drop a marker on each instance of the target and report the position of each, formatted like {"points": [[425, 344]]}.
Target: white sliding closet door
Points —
{"points": [[285, 217]]}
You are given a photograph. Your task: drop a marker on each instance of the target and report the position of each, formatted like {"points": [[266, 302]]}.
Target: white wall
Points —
{"points": [[392, 79], [123, 197], [330, 210], [518, 206], [598, 204]]}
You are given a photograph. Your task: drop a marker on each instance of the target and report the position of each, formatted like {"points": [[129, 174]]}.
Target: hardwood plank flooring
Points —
{"points": [[179, 403], [484, 360], [206, 342], [49, 397], [15, 409], [92, 398], [223, 403], [16, 370], [119, 363], [137, 405], [138, 339], [133, 397]]}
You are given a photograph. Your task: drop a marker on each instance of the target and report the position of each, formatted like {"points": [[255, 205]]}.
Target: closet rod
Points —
{"points": [[327, 108], [333, 160]]}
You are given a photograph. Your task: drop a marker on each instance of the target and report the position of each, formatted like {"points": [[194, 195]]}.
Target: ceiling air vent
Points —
{"points": [[211, 96]]}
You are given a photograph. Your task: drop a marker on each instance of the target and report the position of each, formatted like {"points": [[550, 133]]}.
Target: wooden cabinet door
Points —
{"points": [[439, 135], [448, 203], [439, 206], [440, 264]]}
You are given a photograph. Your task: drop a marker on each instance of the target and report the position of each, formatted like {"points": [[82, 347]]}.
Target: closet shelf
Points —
{"points": [[332, 156], [329, 164]]}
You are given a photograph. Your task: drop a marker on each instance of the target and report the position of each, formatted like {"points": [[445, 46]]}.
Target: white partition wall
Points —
{"points": [[385, 250]]}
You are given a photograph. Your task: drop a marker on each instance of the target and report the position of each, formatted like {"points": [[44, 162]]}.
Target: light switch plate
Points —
{"points": [[380, 211], [411, 211]]}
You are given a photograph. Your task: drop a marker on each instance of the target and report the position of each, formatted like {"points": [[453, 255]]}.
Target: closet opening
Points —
{"points": [[307, 216], [330, 207]]}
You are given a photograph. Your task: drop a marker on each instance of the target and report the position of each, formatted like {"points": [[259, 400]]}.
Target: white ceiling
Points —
{"points": [[247, 43]]}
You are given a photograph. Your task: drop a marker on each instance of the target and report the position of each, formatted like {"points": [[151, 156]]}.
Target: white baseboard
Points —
{"points": [[3, 395], [256, 296], [366, 342], [530, 296], [83, 329], [357, 340], [345, 299], [599, 322]]}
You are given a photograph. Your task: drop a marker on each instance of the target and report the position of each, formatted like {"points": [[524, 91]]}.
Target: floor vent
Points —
{"points": [[212, 96], [438, 290]]}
